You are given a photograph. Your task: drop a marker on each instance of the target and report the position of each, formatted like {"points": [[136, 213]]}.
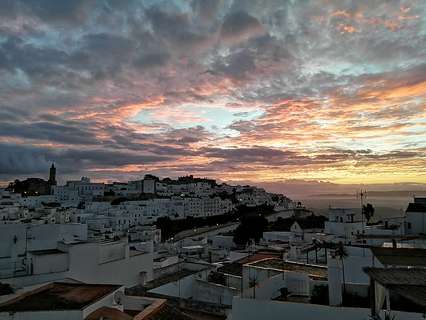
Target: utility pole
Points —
{"points": [[362, 195]]}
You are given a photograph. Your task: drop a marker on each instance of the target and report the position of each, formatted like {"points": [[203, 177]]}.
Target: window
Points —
{"points": [[409, 225]]}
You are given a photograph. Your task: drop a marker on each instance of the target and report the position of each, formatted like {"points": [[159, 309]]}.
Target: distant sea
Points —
{"points": [[385, 205]]}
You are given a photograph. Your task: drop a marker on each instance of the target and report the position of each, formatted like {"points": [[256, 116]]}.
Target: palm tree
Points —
{"points": [[342, 254], [368, 211], [253, 283]]}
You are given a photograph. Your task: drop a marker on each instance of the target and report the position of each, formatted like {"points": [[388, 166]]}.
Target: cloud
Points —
{"points": [[50, 132], [27, 159], [68, 12], [240, 26], [240, 90]]}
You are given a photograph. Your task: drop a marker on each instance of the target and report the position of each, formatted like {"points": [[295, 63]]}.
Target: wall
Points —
{"points": [[48, 263], [257, 273], [159, 272], [353, 265], [182, 288], [248, 309], [112, 252], [84, 266], [417, 221], [357, 259], [233, 281], [213, 293], [40, 237], [221, 241], [269, 288]]}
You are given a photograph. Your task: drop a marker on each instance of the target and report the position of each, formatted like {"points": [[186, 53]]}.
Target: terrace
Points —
{"points": [[317, 272], [59, 296]]}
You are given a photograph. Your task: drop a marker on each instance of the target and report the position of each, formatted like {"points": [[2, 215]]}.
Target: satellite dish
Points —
{"points": [[118, 297]]}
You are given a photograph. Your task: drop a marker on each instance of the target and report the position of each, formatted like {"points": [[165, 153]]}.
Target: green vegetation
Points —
{"points": [[5, 288], [169, 228], [218, 278], [368, 211], [320, 295], [251, 227], [118, 201]]}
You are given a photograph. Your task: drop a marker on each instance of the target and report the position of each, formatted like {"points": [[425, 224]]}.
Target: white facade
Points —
{"points": [[343, 223], [415, 217], [90, 262], [16, 238], [248, 309], [37, 201], [349, 270], [149, 186], [84, 188]]}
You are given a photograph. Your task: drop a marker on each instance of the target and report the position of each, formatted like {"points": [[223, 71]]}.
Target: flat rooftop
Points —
{"points": [[236, 268], [176, 276], [410, 283], [400, 256], [398, 276], [59, 296], [278, 264]]}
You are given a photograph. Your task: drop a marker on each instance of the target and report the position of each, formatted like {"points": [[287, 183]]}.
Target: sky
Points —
{"points": [[317, 91]]}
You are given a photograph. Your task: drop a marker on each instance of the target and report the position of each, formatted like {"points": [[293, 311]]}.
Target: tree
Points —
{"points": [[5, 289], [251, 227], [253, 283], [342, 254], [167, 227], [368, 211], [320, 295], [119, 200]]}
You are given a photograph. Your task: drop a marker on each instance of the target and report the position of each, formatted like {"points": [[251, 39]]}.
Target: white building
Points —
{"points": [[83, 189], [149, 184], [343, 223], [114, 262], [416, 217], [64, 194]]}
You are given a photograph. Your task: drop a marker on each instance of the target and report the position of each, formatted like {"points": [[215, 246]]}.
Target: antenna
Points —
{"points": [[362, 195]]}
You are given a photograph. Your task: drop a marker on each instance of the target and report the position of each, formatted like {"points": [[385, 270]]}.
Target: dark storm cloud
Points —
{"points": [[15, 160], [48, 131], [26, 159], [177, 30], [240, 25], [35, 61], [69, 12]]}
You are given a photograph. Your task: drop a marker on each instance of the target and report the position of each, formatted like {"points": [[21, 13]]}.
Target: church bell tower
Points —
{"points": [[52, 175]]}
